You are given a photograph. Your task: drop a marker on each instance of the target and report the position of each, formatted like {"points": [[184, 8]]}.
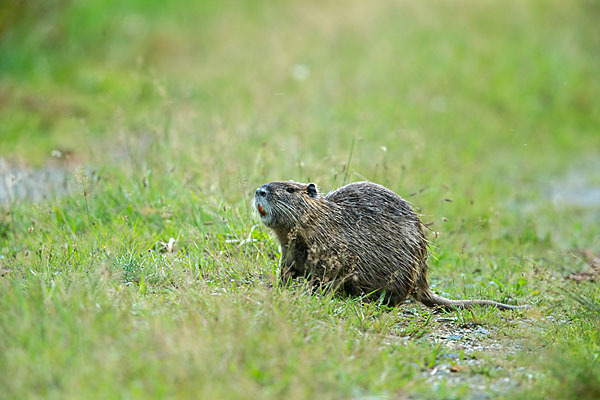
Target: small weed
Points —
{"points": [[131, 267]]}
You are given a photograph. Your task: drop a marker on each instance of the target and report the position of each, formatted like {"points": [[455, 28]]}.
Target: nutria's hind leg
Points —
{"points": [[390, 298], [394, 299]]}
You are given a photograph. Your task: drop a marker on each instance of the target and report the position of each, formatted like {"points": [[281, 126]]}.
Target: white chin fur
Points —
{"points": [[265, 219]]}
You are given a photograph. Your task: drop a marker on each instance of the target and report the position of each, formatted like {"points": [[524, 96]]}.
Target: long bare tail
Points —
{"points": [[430, 299]]}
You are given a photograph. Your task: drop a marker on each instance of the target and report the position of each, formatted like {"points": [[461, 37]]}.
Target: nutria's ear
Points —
{"points": [[311, 189]]}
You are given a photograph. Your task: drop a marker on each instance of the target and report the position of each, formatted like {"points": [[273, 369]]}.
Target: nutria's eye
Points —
{"points": [[290, 190]]}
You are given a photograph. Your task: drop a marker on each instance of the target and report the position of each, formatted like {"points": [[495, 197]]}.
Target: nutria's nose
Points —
{"points": [[261, 191]]}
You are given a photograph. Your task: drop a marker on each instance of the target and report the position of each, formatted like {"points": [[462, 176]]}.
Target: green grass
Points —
{"points": [[173, 114]]}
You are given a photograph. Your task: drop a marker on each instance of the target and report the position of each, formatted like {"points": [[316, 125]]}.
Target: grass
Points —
{"points": [[169, 116]]}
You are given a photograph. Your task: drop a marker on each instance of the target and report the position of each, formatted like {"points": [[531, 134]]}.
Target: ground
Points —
{"points": [[134, 134]]}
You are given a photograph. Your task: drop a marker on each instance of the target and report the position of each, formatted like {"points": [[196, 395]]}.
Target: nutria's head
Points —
{"points": [[282, 204]]}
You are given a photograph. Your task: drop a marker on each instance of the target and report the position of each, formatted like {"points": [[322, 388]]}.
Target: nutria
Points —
{"points": [[361, 239]]}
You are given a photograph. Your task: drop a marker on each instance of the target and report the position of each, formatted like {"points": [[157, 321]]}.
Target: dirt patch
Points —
{"points": [[462, 363], [471, 354], [579, 187], [592, 261], [18, 183]]}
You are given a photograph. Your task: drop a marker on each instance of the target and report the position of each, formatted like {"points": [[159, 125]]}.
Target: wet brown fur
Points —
{"points": [[362, 239]]}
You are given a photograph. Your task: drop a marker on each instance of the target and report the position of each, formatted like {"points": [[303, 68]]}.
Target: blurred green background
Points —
{"points": [[506, 80]]}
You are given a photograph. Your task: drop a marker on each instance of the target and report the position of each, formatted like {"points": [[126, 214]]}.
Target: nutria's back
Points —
{"points": [[361, 238]]}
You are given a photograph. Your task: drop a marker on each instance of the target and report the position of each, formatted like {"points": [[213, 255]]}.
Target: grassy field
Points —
{"points": [[484, 114]]}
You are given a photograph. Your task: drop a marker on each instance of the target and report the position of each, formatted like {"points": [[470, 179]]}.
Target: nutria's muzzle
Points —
{"points": [[261, 191]]}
